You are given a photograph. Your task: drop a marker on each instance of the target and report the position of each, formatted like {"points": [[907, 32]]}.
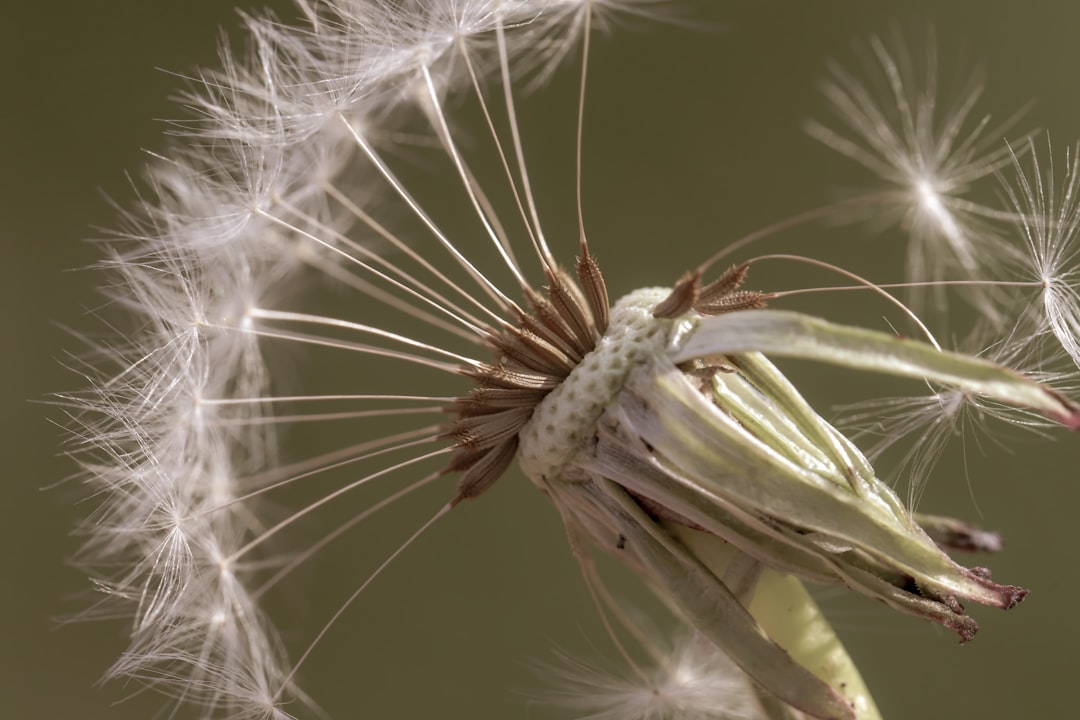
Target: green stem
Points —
{"points": [[794, 621], [790, 617]]}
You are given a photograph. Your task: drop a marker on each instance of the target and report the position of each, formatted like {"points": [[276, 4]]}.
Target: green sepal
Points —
{"points": [[791, 334]]}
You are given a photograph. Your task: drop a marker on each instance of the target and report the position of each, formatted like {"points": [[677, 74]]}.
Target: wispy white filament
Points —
{"points": [[285, 170]]}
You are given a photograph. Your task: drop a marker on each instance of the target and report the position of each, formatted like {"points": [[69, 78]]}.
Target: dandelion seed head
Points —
{"points": [[657, 426]]}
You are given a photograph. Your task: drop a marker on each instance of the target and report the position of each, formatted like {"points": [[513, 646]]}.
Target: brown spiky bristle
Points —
{"points": [[720, 296], [533, 355]]}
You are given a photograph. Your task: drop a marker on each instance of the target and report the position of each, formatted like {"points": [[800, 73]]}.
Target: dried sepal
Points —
{"points": [[953, 534]]}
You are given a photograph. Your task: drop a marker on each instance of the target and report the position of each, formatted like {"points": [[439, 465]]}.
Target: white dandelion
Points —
{"points": [[1048, 212], [656, 424], [930, 148], [926, 424], [691, 678]]}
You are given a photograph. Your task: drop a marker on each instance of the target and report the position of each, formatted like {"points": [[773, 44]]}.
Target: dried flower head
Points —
{"points": [[657, 424]]}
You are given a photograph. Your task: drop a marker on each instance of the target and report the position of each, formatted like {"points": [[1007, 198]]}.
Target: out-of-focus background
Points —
{"points": [[693, 139]]}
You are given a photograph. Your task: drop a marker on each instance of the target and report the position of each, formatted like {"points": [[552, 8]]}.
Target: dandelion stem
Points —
{"points": [[342, 529], [328, 498], [867, 283], [794, 221], [581, 124], [478, 89], [443, 304], [906, 285], [504, 66], [787, 613], [356, 593], [490, 288], [467, 180]]}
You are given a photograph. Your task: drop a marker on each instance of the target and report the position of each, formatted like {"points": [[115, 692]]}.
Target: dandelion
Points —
{"points": [[657, 425], [934, 419], [692, 678], [929, 148], [1048, 212]]}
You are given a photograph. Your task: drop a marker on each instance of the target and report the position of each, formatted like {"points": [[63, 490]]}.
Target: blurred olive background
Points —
{"points": [[693, 139]]}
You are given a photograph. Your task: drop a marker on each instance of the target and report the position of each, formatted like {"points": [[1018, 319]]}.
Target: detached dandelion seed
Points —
{"points": [[1048, 212], [941, 415], [930, 148], [691, 678], [657, 424]]}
